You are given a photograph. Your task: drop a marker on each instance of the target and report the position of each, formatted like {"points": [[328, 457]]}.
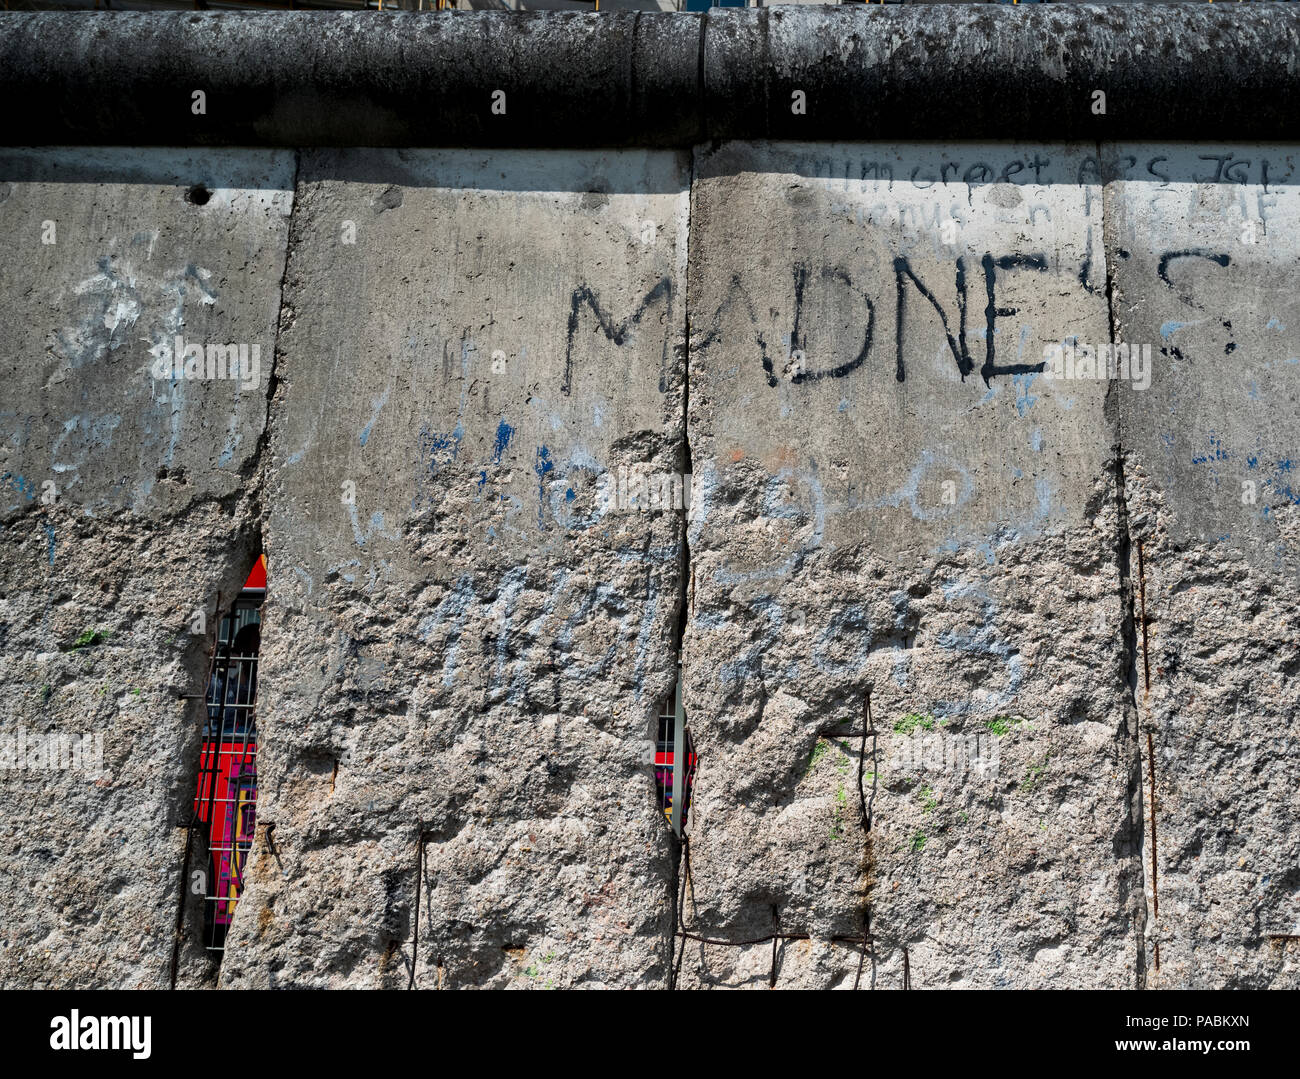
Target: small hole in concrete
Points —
{"points": [[198, 195]]}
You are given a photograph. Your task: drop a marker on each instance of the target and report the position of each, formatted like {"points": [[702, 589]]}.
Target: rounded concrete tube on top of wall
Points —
{"points": [[651, 78]]}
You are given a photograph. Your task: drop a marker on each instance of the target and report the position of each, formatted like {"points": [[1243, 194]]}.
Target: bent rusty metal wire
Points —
{"points": [[685, 933], [865, 941]]}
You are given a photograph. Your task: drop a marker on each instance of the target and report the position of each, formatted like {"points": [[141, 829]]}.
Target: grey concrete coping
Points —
{"points": [[651, 79]]}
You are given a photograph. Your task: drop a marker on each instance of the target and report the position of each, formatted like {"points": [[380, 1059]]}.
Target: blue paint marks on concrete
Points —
{"points": [[502, 443], [1036, 440], [843, 405], [1215, 453], [1171, 327], [845, 625], [710, 620], [984, 638], [1022, 340], [376, 525], [1043, 493], [91, 433], [900, 671], [378, 405], [1024, 400], [438, 449], [542, 467], [569, 496], [482, 479], [910, 491], [49, 539], [1274, 324], [1280, 481], [21, 484]]}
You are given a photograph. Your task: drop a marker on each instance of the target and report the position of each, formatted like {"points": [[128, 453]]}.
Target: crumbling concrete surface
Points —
{"points": [[128, 505], [989, 660], [1205, 273], [468, 642], [894, 502]]}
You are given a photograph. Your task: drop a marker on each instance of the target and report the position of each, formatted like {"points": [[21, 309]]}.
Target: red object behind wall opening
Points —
{"points": [[225, 801]]}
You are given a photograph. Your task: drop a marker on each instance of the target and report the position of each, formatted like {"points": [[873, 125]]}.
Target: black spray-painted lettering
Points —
{"points": [[1162, 267], [615, 332], [798, 340], [992, 312]]}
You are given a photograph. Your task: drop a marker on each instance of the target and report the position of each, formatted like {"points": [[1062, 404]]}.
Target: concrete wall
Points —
{"points": [[1074, 618], [129, 503], [1203, 271], [829, 561], [474, 637]]}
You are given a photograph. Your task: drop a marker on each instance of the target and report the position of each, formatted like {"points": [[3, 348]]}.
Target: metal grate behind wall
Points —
{"points": [[674, 790], [226, 799]]}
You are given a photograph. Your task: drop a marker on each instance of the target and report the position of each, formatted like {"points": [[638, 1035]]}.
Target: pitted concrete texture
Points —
{"points": [[893, 498], [127, 506], [1206, 276], [1064, 595], [465, 641]]}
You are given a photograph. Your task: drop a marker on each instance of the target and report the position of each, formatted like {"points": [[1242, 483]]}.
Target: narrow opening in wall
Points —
{"points": [[225, 799], [674, 785]]}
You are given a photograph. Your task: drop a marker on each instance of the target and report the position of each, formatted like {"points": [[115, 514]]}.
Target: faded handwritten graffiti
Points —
{"points": [[555, 612]]}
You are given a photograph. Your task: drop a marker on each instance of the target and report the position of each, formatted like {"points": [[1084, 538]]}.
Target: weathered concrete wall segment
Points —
{"points": [[1072, 600], [894, 499], [1204, 271], [129, 503], [472, 635]]}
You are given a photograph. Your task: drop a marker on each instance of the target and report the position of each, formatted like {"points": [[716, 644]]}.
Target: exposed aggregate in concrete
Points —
{"points": [[464, 647]]}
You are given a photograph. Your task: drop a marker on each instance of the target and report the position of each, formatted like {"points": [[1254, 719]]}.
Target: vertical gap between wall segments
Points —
{"points": [[1128, 628], [868, 809], [419, 887], [1155, 879], [261, 457], [223, 791], [1151, 757], [256, 473], [686, 588]]}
